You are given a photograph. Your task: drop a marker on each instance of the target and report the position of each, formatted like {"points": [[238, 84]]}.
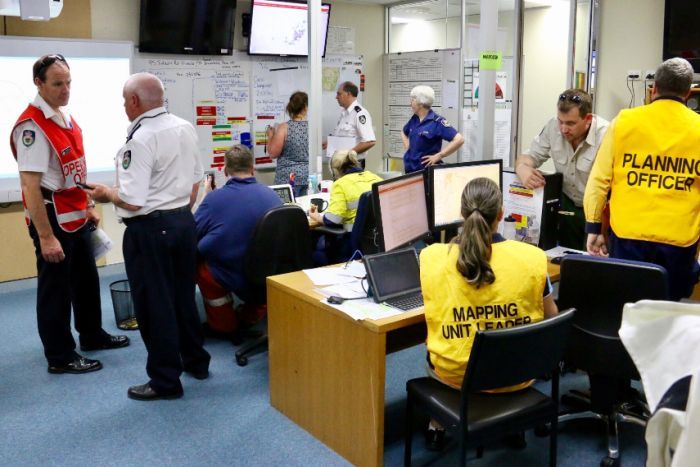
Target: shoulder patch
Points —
{"points": [[445, 122], [126, 159], [28, 137], [357, 109], [362, 119]]}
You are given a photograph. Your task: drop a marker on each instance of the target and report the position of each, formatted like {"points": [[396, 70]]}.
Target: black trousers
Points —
{"points": [[72, 282], [160, 254]]}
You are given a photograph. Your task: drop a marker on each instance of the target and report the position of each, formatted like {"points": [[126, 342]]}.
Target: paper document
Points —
{"points": [[339, 142], [101, 243], [561, 251], [336, 275], [365, 309]]}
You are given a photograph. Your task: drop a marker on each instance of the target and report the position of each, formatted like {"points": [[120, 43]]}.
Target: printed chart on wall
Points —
{"points": [[233, 99], [437, 69], [525, 206], [213, 94], [470, 111]]}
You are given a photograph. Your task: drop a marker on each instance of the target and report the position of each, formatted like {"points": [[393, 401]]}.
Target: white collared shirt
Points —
{"points": [[355, 121], [159, 163], [40, 156], [574, 165]]}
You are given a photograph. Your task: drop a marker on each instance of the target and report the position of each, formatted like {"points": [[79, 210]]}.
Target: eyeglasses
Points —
{"points": [[576, 99], [49, 60]]}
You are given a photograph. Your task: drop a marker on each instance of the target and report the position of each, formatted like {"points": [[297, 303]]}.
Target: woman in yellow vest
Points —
{"points": [[351, 180], [480, 281]]}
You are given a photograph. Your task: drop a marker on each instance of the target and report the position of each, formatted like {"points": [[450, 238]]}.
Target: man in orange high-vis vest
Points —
{"points": [[48, 146]]}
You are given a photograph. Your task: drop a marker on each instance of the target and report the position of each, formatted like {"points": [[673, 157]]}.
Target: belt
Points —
{"points": [[154, 215]]}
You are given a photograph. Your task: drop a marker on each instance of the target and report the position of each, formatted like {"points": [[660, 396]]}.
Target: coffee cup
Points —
{"points": [[320, 203]]}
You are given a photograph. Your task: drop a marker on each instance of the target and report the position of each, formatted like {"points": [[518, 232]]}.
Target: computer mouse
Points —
{"points": [[335, 300]]}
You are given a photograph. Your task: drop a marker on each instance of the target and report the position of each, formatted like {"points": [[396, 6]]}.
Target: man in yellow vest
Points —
{"points": [[649, 163]]}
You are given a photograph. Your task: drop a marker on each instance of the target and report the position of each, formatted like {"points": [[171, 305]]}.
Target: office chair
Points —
{"points": [[281, 243], [599, 288], [495, 362], [363, 236]]}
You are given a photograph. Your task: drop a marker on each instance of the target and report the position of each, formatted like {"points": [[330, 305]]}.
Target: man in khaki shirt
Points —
{"points": [[571, 140]]}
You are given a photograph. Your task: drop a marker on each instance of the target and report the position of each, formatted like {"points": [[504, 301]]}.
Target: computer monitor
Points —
{"points": [[401, 210], [285, 193], [446, 183]]}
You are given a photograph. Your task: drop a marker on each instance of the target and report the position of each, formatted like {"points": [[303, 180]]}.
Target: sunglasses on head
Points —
{"points": [[49, 60], [576, 99]]}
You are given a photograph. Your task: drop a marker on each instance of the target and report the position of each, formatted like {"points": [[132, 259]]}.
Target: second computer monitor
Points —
{"points": [[447, 181], [401, 210]]}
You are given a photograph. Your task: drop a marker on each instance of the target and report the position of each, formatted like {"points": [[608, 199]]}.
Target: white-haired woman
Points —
{"points": [[423, 134], [351, 180]]}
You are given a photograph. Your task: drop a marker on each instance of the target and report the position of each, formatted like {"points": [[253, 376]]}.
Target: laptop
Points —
{"points": [[285, 193], [394, 278]]}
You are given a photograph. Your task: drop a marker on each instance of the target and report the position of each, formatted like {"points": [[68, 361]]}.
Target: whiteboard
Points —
{"points": [[98, 73], [233, 98], [438, 69]]}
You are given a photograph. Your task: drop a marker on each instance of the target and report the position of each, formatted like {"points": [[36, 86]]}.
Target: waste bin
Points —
{"points": [[123, 305]]}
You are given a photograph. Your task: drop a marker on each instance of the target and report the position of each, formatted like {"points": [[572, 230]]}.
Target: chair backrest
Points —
{"points": [[281, 243], [506, 357], [364, 231], [599, 288]]}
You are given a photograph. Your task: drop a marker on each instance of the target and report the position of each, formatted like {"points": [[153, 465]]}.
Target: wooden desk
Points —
{"points": [[327, 371]]}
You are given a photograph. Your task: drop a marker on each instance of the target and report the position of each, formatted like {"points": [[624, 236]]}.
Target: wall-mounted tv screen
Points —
{"points": [[202, 27], [681, 32], [280, 28]]}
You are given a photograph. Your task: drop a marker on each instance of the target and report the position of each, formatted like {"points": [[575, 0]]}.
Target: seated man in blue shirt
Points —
{"points": [[422, 136], [225, 222]]}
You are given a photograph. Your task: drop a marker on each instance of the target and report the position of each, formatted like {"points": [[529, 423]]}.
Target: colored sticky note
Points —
{"points": [[490, 60]]}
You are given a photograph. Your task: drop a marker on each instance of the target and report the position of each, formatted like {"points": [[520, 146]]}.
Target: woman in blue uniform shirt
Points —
{"points": [[423, 134]]}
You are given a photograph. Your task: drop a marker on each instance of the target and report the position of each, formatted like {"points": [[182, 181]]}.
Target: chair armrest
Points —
{"points": [[326, 229]]}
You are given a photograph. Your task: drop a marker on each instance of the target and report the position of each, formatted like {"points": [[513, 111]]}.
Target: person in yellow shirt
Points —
{"points": [[649, 166], [351, 180], [480, 281]]}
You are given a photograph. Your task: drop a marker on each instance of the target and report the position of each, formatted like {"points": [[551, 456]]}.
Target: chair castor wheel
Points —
{"points": [[610, 462], [242, 360]]}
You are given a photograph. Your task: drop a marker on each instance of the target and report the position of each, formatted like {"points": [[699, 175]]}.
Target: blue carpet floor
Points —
{"points": [[84, 420]]}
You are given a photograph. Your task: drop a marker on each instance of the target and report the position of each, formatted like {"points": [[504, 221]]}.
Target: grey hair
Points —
{"points": [[424, 95], [342, 161], [674, 77], [148, 87]]}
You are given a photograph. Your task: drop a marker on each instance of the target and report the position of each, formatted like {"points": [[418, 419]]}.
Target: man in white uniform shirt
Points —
{"points": [[48, 146], [355, 120], [158, 175]]}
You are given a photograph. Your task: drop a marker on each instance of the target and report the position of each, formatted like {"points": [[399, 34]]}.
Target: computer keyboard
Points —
{"points": [[407, 302]]}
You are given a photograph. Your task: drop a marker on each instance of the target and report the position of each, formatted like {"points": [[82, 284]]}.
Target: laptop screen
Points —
{"points": [[284, 192], [393, 273]]}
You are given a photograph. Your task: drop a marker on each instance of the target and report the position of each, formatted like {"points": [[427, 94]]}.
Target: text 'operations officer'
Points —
{"points": [[158, 175]]}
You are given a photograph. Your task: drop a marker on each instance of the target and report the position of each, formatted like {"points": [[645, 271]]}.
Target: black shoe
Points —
{"points": [[78, 366], [435, 440], [107, 342], [198, 374], [145, 392]]}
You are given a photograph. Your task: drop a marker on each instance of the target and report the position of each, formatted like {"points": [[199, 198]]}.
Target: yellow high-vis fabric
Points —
{"points": [[345, 196], [649, 161], [455, 310]]}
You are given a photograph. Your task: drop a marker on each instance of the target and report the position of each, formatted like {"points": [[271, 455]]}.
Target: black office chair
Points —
{"points": [[281, 243], [500, 358], [363, 236], [599, 288]]}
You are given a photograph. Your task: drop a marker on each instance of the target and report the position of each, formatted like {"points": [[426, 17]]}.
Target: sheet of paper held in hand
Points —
{"points": [[339, 142]]}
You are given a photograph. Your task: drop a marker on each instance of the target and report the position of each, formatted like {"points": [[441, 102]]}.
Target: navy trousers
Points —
{"points": [[680, 263], [71, 283], [159, 255]]}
